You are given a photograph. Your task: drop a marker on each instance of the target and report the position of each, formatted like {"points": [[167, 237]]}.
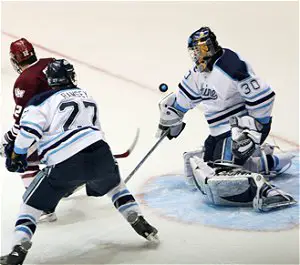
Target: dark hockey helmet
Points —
{"points": [[61, 73], [202, 46], [21, 53]]}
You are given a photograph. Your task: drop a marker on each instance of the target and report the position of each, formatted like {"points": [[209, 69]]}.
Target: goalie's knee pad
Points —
{"points": [[188, 172]]}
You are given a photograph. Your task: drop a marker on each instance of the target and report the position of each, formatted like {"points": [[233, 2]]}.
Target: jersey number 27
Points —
{"points": [[75, 106]]}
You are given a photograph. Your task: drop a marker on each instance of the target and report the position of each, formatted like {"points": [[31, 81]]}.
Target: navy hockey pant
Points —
{"points": [[94, 166], [219, 147]]}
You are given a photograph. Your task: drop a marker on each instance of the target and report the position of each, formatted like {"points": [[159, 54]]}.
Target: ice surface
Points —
{"points": [[146, 42]]}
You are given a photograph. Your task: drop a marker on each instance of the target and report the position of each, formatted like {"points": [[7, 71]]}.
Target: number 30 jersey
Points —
{"points": [[230, 89], [62, 121]]}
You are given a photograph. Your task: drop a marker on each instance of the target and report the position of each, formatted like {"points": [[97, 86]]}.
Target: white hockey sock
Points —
{"points": [[26, 224], [124, 201]]}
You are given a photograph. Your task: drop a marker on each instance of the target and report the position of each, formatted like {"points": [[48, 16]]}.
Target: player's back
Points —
{"points": [[31, 81], [66, 120]]}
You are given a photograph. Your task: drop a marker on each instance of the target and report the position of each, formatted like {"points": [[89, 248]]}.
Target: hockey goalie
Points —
{"points": [[232, 167]]}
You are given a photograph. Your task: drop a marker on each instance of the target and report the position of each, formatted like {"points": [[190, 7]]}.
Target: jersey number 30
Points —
{"points": [[74, 105], [251, 85]]}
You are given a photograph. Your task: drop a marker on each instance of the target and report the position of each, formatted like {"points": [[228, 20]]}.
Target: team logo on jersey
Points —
{"points": [[19, 93], [207, 93]]}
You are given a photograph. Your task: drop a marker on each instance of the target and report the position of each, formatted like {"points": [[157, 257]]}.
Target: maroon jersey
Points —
{"points": [[32, 81]]}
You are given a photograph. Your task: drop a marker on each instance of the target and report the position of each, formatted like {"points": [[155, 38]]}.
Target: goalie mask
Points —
{"points": [[21, 53], [202, 46], [60, 73]]}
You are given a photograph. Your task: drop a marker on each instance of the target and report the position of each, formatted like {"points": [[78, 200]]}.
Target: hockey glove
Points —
{"points": [[16, 162], [246, 136], [174, 130], [5, 142], [170, 118], [8, 149]]}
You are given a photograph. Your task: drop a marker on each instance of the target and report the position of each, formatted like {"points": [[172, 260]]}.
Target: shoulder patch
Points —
{"points": [[19, 93], [232, 65], [40, 98]]}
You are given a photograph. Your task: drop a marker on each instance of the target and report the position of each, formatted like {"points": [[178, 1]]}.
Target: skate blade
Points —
{"points": [[48, 218], [267, 208], [153, 238]]}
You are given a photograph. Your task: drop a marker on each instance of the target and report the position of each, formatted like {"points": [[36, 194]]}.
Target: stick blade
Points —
{"points": [[129, 150]]}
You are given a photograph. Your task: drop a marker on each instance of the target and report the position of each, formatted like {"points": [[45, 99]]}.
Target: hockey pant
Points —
{"points": [[218, 148], [93, 166]]}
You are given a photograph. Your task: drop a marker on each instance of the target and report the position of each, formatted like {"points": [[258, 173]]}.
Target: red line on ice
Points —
{"points": [[117, 76]]}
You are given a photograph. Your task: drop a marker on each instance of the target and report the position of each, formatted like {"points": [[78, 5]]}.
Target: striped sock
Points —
{"points": [[26, 224], [123, 200]]}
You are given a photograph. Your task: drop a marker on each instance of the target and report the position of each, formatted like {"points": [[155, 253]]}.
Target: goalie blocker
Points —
{"points": [[233, 186]]}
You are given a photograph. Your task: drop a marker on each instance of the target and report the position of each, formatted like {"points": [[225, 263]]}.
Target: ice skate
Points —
{"points": [[18, 254], [142, 227], [269, 197], [48, 216]]}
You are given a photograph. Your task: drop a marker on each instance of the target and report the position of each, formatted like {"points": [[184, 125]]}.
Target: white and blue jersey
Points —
{"points": [[62, 122], [230, 89]]}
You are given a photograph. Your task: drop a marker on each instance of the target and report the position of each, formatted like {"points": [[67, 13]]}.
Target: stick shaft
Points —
{"points": [[146, 156]]}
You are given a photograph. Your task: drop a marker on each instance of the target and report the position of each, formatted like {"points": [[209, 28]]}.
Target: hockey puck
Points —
{"points": [[163, 87]]}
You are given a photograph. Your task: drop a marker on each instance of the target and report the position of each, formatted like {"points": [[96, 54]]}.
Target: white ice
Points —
{"points": [[146, 42]]}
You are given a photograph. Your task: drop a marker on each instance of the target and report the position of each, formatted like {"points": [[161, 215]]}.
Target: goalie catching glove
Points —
{"points": [[170, 118], [246, 136]]}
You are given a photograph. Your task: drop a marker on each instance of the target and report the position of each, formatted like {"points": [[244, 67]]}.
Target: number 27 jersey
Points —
{"points": [[63, 122]]}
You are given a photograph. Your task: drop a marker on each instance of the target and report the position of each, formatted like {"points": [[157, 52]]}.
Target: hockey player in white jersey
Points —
{"points": [[238, 108], [65, 124]]}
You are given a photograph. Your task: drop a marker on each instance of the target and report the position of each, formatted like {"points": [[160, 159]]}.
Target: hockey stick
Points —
{"points": [[121, 155], [129, 150], [147, 155]]}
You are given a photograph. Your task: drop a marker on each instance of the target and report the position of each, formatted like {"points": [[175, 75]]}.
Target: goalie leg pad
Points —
{"points": [[229, 188], [201, 173], [230, 191], [269, 165], [188, 171], [235, 187]]}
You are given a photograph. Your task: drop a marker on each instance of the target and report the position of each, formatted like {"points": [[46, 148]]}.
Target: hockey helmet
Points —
{"points": [[21, 53], [202, 46], [61, 73]]}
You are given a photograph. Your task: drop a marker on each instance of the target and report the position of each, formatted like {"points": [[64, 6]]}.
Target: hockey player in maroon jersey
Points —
{"points": [[31, 81]]}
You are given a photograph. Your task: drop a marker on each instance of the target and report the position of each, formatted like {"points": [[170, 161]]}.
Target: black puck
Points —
{"points": [[163, 87]]}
